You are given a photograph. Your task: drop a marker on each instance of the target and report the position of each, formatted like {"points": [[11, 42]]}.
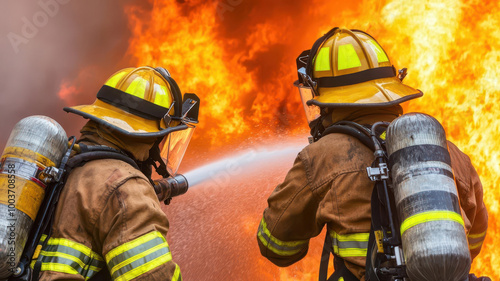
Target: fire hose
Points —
{"points": [[170, 187]]}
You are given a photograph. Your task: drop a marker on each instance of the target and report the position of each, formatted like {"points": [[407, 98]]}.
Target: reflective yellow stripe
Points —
{"points": [[479, 235], [162, 96], [57, 267], [360, 237], [381, 56], [137, 87], [341, 278], [63, 255], [132, 244], [282, 248], [94, 268], [136, 257], [347, 57], [350, 245], [77, 246], [113, 81], [145, 267], [349, 252], [177, 274], [476, 245], [431, 216], [322, 62], [476, 240]]}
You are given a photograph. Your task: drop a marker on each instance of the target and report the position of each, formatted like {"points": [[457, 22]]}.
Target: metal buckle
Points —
{"points": [[49, 175], [378, 173]]}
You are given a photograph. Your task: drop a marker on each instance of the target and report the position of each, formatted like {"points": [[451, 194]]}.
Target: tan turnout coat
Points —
{"points": [[328, 186]]}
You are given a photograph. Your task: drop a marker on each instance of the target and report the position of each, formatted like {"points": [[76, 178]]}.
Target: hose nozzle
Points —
{"points": [[167, 188]]}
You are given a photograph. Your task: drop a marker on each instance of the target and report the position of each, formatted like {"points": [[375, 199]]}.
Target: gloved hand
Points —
{"points": [[472, 277]]}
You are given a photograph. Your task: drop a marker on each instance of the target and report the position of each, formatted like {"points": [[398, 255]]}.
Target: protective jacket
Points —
{"points": [[108, 224], [328, 185]]}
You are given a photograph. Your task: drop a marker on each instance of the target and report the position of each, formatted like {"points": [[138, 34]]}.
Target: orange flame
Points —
{"points": [[239, 56]]}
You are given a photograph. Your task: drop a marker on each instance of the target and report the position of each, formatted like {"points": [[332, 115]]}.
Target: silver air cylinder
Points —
{"points": [[434, 241], [36, 142]]}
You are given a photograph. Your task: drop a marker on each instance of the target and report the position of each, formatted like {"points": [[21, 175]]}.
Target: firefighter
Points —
{"points": [[109, 224], [347, 76]]}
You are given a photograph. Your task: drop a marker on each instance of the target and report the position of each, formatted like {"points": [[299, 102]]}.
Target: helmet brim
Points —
{"points": [[374, 93], [121, 121]]}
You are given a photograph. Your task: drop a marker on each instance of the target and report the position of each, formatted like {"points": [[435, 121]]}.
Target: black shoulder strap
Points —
{"points": [[351, 131], [90, 153], [325, 258], [372, 261], [362, 134]]}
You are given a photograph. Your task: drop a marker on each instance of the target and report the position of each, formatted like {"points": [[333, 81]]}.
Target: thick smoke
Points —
{"points": [[47, 43]]}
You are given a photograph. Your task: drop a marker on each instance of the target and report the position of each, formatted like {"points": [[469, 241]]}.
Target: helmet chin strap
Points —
{"points": [[317, 127], [155, 161]]}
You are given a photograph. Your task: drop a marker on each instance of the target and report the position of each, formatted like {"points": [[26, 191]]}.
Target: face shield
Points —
{"points": [[312, 111], [307, 93], [173, 146]]}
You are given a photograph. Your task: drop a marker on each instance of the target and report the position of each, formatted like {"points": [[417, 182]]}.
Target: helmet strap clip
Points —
{"points": [[167, 118], [308, 81], [402, 74]]}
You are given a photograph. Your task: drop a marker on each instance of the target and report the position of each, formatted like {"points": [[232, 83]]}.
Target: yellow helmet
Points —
{"points": [[348, 68], [139, 102], [146, 102]]}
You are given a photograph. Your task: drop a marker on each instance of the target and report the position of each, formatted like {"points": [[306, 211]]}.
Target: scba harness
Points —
{"points": [[383, 258], [30, 264]]}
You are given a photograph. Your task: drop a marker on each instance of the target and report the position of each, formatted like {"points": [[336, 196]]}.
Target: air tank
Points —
{"points": [[36, 142], [432, 228]]}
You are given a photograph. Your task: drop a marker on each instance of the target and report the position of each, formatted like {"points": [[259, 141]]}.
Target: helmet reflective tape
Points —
{"points": [[173, 147], [113, 80], [381, 55], [137, 87], [306, 94], [347, 57], [322, 62], [162, 96]]}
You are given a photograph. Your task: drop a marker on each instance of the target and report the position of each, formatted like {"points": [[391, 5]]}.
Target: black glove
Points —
{"points": [[472, 277]]}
